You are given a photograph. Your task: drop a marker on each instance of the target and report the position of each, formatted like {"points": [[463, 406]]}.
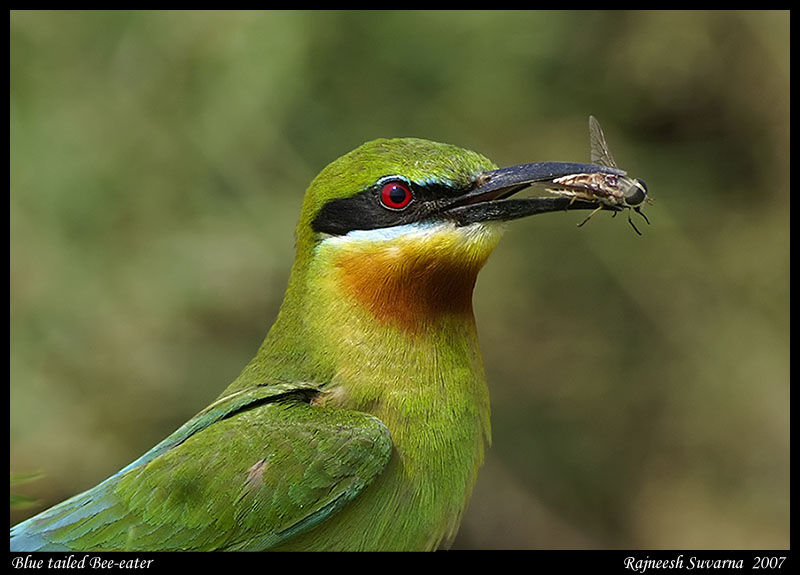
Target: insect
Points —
{"points": [[615, 191]]}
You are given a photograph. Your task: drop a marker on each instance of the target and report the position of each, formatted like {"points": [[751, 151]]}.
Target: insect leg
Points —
{"points": [[590, 215], [635, 229]]}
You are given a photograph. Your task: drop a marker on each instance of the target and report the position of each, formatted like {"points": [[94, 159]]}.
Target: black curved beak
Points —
{"points": [[487, 201]]}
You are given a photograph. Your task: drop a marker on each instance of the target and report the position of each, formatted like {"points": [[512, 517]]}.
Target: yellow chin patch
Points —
{"points": [[413, 275]]}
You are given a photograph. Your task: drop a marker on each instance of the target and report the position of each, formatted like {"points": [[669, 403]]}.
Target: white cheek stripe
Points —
{"points": [[394, 232], [416, 230]]}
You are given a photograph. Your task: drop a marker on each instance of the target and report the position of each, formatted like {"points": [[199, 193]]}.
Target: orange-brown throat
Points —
{"points": [[413, 283]]}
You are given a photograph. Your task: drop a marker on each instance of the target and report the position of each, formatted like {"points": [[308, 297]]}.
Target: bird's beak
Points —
{"points": [[487, 201]]}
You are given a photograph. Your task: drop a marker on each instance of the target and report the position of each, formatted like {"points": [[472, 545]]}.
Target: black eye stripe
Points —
{"points": [[365, 210]]}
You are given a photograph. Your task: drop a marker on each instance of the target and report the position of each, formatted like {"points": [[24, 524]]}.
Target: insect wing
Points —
{"points": [[600, 153]]}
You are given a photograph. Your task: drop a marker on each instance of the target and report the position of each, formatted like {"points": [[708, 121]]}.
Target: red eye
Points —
{"points": [[396, 195]]}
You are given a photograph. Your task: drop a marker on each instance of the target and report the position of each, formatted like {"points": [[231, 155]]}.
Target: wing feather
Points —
{"points": [[249, 472]]}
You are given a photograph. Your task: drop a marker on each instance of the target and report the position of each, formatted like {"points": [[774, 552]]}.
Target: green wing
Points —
{"points": [[247, 473]]}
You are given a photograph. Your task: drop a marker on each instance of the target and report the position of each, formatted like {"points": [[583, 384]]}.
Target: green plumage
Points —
{"points": [[358, 425]]}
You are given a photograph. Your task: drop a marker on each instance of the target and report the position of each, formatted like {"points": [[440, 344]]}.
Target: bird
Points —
{"points": [[363, 418]]}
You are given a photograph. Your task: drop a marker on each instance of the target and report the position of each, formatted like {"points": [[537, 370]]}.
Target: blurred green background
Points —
{"points": [[640, 385]]}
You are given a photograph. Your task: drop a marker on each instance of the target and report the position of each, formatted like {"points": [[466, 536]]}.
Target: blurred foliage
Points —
{"points": [[22, 501], [640, 385]]}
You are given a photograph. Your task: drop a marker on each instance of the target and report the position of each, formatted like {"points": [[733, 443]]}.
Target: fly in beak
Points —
{"points": [[488, 201]]}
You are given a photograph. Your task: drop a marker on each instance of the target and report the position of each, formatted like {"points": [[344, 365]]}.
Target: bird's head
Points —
{"points": [[390, 241], [386, 188], [406, 224]]}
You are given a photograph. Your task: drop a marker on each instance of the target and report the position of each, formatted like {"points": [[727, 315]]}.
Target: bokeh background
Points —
{"points": [[640, 385]]}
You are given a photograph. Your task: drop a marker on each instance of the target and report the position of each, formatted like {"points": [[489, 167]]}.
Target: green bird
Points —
{"points": [[361, 422]]}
